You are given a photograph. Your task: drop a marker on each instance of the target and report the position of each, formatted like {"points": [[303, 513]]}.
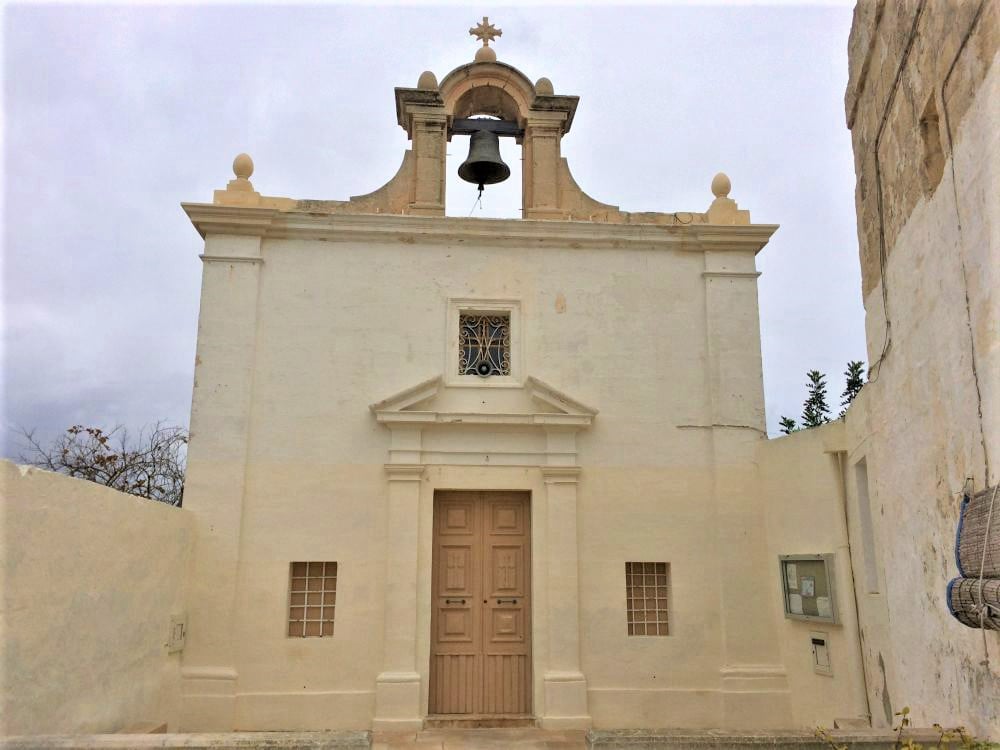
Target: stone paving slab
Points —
{"points": [[710, 739], [194, 741], [522, 738], [473, 739]]}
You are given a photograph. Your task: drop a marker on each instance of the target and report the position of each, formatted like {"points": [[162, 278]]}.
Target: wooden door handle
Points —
{"points": [[454, 601], [506, 601]]}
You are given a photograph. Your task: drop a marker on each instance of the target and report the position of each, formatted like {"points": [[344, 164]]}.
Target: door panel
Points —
{"points": [[481, 644]]}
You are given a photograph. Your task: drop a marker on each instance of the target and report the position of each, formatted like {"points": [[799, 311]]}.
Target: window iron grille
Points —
{"points": [[647, 591], [312, 599], [484, 345]]}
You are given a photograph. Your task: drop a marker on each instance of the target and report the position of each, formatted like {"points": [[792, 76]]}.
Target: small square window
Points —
{"points": [[312, 596], [647, 589], [484, 344]]}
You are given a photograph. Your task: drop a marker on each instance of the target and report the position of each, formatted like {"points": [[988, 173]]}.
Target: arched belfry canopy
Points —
{"points": [[538, 117], [489, 87], [498, 90]]}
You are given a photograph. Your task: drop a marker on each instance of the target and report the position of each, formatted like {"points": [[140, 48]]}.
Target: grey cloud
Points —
{"points": [[116, 114]]}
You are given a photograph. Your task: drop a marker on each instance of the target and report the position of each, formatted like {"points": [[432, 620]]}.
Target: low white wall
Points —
{"points": [[804, 501], [89, 578]]}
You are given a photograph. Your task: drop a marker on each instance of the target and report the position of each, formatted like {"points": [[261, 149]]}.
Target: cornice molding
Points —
{"points": [[560, 474], [229, 259], [731, 274], [543, 419], [272, 223], [209, 673], [752, 671], [209, 218], [396, 410], [404, 472]]}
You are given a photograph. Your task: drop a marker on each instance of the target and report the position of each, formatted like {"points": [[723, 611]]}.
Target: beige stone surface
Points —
{"points": [[802, 481], [922, 44], [90, 579], [929, 423], [307, 319], [485, 739], [194, 741], [478, 739]]}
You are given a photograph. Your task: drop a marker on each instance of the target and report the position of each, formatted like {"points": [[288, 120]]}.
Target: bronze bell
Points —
{"points": [[484, 165]]}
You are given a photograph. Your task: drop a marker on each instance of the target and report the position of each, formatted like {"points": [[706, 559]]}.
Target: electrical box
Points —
{"points": [[808, 588], [821, 653], [178, 633]]}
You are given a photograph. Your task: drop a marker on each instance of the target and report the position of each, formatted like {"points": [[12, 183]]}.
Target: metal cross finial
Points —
{"points": [[485, 31]]}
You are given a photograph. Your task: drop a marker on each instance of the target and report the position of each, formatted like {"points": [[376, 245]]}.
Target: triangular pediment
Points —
{"points": [[532, 402]]}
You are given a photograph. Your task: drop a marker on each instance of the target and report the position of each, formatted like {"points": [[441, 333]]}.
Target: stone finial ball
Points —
{"points": [[721, 185], [243, 166], [427, 81], [486, 54], [543, 87]]}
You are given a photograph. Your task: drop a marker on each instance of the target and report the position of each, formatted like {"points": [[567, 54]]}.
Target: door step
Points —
{"points": [[479, 722]]}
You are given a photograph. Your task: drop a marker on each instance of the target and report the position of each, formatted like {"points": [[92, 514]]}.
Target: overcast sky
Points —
{"points": [[116, 114]]}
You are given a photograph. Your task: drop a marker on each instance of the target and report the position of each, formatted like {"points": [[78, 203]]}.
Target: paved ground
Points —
{"points": [[487, 739], [471, 739]]}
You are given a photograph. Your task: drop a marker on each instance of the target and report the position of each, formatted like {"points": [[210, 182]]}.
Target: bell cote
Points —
{"points": [[432, 113], [465, 102]]}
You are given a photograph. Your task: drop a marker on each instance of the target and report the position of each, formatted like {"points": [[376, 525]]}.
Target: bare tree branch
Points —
{"points": [[149, 465]]}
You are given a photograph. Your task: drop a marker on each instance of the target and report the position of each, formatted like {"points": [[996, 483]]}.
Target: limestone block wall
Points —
{"points": [[929, 421], [90, 578], [915, 69]]}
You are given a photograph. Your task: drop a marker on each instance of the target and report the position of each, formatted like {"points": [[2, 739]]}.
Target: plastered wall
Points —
{"points": [[661, 337], [90, 578], [802, 483], [929, 419]]}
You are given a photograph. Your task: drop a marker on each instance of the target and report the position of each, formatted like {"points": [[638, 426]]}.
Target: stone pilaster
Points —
{"points": [[752, 677], [564, 683], [542, 157], [397, 688], [421, 113], [429, 134], [216, 474]]}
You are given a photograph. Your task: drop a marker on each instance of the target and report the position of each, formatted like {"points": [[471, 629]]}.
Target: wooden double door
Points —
{"points": [[481, 613]]}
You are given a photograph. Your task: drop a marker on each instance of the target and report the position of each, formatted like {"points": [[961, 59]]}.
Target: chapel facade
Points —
{"points": [[452, 469], [595, 531]]}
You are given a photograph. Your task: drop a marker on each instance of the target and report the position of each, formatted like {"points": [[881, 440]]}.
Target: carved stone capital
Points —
{"points": [[404, 472], [561, 474]]}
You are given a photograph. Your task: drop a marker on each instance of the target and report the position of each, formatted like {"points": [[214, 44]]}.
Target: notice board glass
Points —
{"points": [[808, 587]]}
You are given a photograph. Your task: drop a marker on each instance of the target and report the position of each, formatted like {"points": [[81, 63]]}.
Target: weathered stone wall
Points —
{"points": [[90, 578], [940, 50], [929, 420]]}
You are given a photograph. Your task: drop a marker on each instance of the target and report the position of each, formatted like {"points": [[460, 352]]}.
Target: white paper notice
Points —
{"points": [[791, 573], [823, 608], [795, 604], [808, 586]]}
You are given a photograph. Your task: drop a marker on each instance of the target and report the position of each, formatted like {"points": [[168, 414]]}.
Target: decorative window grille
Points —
{"points": [[312, 598], [647, 590], [483, 344]]}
